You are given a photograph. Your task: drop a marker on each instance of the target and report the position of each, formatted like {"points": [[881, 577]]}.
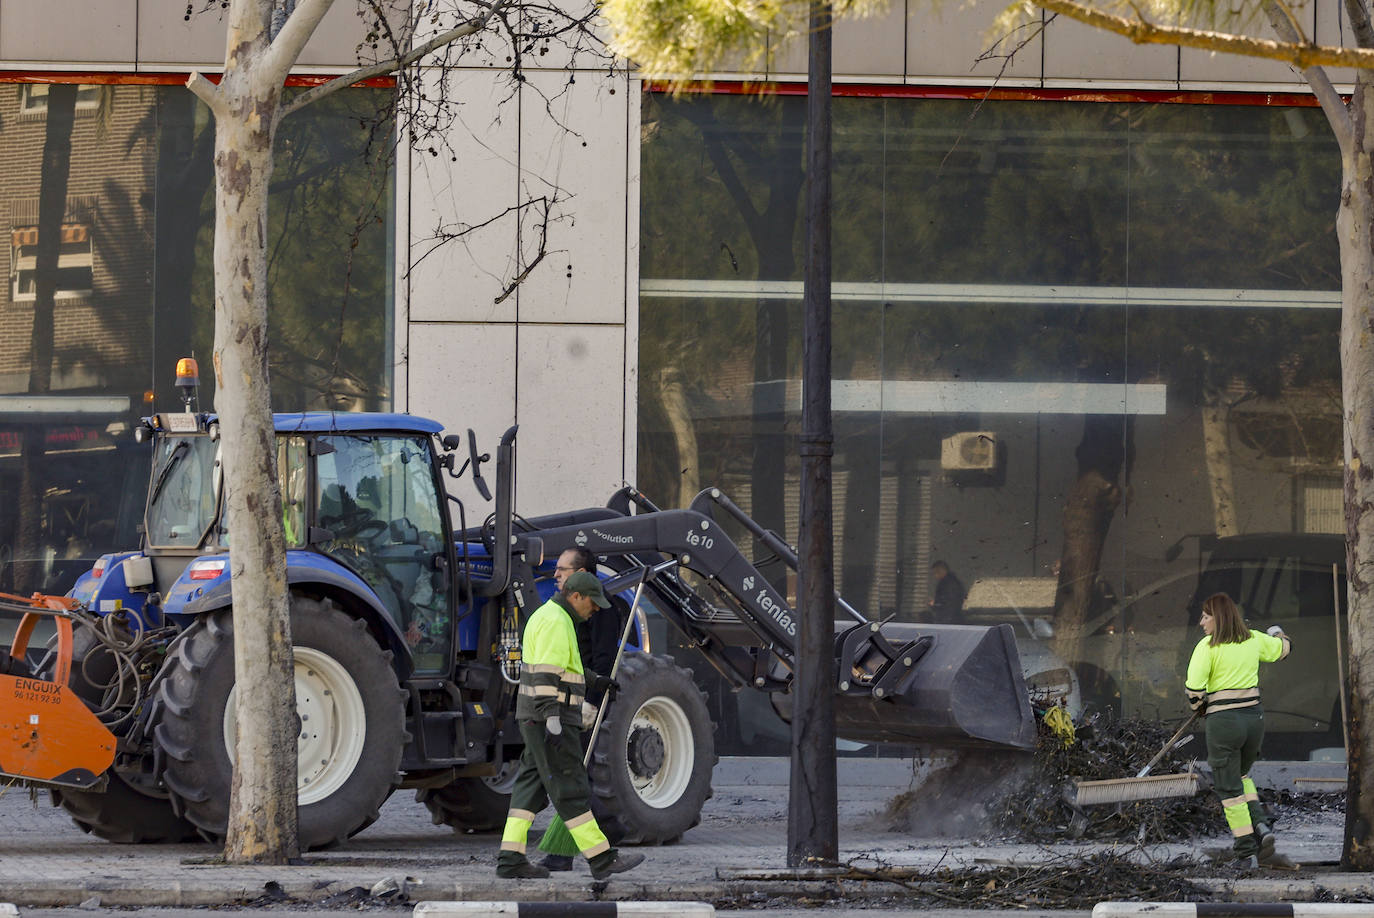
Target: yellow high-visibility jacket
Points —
{"points": [[1226, 677], [551, 677]]}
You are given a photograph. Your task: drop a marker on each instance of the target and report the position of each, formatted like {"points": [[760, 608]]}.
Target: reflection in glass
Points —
{"points": [[108, 199], [1074, 344]]}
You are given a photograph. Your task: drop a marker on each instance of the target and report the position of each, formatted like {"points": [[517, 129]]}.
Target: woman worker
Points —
{"points": [[1223, 684]]}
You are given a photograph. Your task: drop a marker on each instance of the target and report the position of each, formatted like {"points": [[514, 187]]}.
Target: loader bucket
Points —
{"points": [[966, 691]]}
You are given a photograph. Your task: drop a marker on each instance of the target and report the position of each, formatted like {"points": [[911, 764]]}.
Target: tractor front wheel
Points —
{"points": [[651, 768], [346, 691]]}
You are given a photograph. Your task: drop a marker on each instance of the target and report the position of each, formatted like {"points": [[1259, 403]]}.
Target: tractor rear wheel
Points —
{"points": [[121, 813], [651, 769], [472, 804], [346, 691]]}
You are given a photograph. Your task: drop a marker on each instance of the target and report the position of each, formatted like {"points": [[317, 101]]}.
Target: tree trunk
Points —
{"points": [[52, 207], [262, 808], [1355, 231], [1087, 516], [1216, 446], [672, 391]]}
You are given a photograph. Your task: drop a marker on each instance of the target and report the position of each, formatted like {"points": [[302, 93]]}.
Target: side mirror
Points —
{"points": [[451, 442], [476, 461]]}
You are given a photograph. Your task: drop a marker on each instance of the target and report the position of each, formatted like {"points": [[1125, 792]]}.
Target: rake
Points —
{"points": [[1143, 786]]}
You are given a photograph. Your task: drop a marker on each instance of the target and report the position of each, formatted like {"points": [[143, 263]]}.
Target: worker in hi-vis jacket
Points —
{"points": [[548, 711], [1223, 684]]}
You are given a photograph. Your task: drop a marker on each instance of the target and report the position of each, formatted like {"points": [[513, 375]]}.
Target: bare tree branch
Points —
{"points": [[475, 24], [300, 25], [204, 90], [1300, 55], [1333, 106], [1358, 14]]}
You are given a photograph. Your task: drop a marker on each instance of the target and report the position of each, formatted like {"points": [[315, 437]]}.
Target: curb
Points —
{"points": [[564, 909], [1234, 909]]}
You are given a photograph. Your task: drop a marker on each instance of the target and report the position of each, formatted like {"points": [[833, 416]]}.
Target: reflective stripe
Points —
{"points": [[1233, 801], [1234, 694], [579, 820], [545, 691], [552, 668], [1242, 831], [516, 831], [591, 841], [574, 678]]}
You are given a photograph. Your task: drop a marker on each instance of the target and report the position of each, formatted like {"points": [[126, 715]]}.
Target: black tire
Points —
{"points": [[121, 813], [471, 804], [336, 655], [124, 815], [651, 769]]}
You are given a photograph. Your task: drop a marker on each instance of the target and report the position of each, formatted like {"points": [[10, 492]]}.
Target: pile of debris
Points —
{"points": [[1105, 747]]}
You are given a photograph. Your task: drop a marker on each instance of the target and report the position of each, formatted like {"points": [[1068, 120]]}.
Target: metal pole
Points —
{"points": [[813, 823]]}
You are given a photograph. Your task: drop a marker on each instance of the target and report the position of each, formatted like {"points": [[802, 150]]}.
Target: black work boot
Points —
{"points": [[557, 862], [521, 870], [1245, 863], [1266, 840], [616, 863]]}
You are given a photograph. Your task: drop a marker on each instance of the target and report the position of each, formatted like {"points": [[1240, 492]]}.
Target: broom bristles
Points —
{"points": [[557, 839], [1128, 790]]}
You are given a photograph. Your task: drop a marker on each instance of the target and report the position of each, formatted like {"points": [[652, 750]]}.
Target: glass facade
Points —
{"points": [[108, 199], [1085, 353]]}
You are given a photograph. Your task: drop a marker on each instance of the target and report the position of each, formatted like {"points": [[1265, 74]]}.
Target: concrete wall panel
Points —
{"points": [[948, 41], [463, 376], [875, 46], [166, 39], [582, 275], [1331, 28], [460, 279], [1082, 54], [569, 379], [68, 30]]}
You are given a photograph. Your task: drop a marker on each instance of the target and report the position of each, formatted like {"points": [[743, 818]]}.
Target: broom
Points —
{"points": [[557, 840], [1143, 786]]}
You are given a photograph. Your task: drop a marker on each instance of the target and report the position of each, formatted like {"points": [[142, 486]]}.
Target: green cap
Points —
{"points": [[586, 583]]}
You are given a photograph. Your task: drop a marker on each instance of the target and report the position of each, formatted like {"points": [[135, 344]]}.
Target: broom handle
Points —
{"points": [[615, 668], [1169, 745]]}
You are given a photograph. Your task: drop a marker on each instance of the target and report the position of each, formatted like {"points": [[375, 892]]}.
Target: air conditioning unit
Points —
{"points": [[969, 451]]}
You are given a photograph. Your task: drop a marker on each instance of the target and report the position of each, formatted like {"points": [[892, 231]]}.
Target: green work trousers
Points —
{"points": [[551, 769], [1233, 744]]}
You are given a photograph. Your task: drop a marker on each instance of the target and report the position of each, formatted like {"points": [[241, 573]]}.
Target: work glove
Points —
{"points": [[588, 715], [553, 725], [605, 685], [1274, 631]]}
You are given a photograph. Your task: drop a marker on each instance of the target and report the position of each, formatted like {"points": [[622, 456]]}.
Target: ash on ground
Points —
{"points": [[1022, 797]]}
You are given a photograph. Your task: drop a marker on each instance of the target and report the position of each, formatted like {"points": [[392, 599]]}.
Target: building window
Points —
{"points": [[33, 98], [1321, 503], [73, 262]]}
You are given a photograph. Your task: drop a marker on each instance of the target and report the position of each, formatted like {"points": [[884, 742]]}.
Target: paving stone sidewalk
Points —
{"points": [[739, 850]]}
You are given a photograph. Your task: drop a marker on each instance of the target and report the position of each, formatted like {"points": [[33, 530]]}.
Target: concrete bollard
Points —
{"points": [[564, 909], [1234, 910]]}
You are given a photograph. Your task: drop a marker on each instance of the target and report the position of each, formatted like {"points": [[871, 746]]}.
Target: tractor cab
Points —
{"points": [[363, 511]]}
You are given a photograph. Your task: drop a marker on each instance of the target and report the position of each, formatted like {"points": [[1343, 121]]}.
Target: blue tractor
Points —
{"points": [[406, 632]]}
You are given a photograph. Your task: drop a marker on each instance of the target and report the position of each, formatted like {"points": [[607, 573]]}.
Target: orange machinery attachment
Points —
{"points": [[47, 734]]}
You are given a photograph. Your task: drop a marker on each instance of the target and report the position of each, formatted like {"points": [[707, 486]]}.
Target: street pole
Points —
{"points": [[812, 823]]}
